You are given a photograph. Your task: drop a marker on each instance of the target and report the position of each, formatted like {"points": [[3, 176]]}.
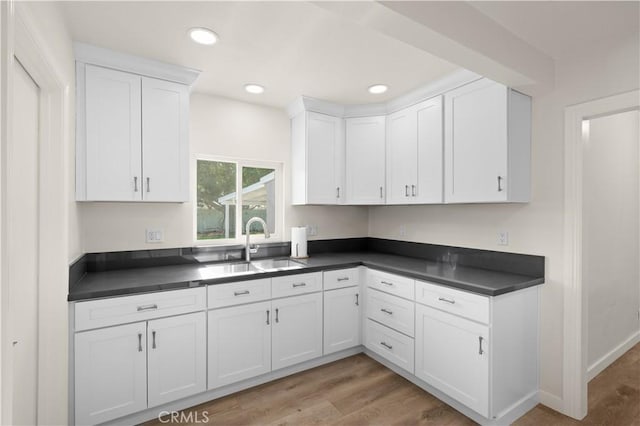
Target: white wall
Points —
{"points": [[610, 240], [221, 127], [591, 72]]}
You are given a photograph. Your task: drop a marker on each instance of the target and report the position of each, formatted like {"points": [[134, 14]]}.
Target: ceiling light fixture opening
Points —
{"points": [[256, 89], [203, 36], [376, 89]]}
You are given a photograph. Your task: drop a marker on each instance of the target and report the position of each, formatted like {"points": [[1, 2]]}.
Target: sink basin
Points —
{"points": [[276, 264], [225, 269]]}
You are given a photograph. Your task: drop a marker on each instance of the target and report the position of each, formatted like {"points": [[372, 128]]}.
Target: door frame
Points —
{"points": [[21, 39], [574, 388]]}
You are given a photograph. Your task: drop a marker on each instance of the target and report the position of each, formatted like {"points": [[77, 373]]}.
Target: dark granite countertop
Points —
{"points": [[141, 280]]}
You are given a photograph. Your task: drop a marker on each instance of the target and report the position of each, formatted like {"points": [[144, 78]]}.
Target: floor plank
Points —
{"points": [[359, 391]]}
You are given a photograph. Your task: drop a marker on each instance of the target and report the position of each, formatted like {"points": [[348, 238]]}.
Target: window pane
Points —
{"points": [[217, 200], [258, 198]]}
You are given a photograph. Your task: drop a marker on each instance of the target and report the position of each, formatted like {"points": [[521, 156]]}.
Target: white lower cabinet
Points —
{"points": [[110, 373], [297, 330], [177, 363], [239, 343], [342, 318], [452, 355], [388, 343]]}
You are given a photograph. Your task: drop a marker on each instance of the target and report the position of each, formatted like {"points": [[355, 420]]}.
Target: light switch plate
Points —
{"points": [[154, 235]]}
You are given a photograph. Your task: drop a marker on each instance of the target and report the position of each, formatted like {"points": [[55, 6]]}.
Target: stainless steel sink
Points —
{"points": [[268, 265], [226, 269]]}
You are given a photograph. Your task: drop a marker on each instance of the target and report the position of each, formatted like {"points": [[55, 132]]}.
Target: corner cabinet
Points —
{"points": [[317, 155], [487, 144], [131, 133]]}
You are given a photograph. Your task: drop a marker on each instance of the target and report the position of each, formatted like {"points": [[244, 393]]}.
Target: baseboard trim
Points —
{"points": [[598, 366], [552, 401]]}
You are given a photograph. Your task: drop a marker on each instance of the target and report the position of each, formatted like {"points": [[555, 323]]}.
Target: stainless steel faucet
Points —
{"points": [[248, 249]]}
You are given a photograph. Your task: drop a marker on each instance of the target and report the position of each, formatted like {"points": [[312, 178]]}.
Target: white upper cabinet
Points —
{"points": [[365, 160], [131, 129], [414, 154], [317, 159], [487, 144]]}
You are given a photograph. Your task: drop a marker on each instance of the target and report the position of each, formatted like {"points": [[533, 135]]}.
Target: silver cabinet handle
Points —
{"points": [[135, 184], [148, 184], [147, 307], [338, 192], [386, 311], [386, 345], [267, 317], [386, 283], [343, 279], [406, 190], [240, 293], [357, 301], [381, 193], [499, 183], [139, 342], [299, 285], [153, 345], [442, 299], [277, 319], [480, 351], [413, 190]]}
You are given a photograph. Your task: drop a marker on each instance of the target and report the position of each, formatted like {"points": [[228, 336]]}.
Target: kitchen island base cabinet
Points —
{"points": [[239, 343], [297, 329], [110, 373], [452, 355], [341, 319], [177, 362]]}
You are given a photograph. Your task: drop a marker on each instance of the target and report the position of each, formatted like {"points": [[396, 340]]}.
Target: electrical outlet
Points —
{"points": [[154, 235], [402, 231], [503, 238], [312, 230]]}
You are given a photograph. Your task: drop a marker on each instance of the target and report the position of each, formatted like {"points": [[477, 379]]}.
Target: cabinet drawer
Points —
{"points": [[462, 303], [390, 283], [391, 311], [296, 284], [390, 344], [238, 293], [120, 310], [340, 278]]}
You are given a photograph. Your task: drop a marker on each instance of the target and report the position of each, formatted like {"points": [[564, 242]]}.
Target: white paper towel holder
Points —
{"points": [[296, 251]]}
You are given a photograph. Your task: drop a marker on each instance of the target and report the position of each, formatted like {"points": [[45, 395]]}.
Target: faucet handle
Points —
{"points": [[253, 249]]}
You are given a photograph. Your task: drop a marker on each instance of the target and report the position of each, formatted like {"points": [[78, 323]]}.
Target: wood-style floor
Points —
{"points": [[359, 391]]}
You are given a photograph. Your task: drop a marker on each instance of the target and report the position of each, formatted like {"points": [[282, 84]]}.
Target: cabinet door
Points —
{"points": [[177, 357], [297, 330], [452, 355], [325, 159], [476, 143], [113, 135], [239, 343], [341, 319], [429, 188], [402, 139], [365, 160], [110, 373], [165, 144]]}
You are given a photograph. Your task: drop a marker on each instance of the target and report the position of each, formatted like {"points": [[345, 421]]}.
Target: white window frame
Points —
{"points": [[276, 236]]}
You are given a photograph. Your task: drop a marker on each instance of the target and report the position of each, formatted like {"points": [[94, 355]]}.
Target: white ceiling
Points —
{"points": [[556, 27], [292, 48]]}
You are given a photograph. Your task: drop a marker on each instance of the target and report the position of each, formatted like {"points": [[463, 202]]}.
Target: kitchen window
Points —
{"points": [[229, 192]]}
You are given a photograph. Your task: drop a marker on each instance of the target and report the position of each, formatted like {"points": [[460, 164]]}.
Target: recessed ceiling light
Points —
{"points": [[376, 89], [203, 36], [254, 88]]}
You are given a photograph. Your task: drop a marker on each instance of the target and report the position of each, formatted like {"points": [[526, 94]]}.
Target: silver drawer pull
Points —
{"points": [[147, 307], [343, 279], [386, 311], [240, 293], [386, 345], [299, 285], [442, 299], [386, 283]]}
